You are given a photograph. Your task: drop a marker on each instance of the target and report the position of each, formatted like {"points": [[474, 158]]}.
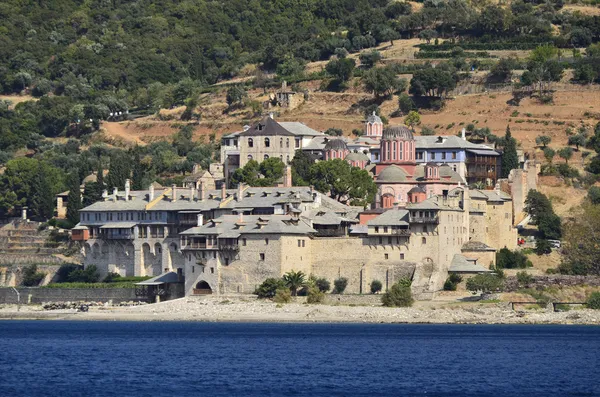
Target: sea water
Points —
{"points": [[64, 358]]}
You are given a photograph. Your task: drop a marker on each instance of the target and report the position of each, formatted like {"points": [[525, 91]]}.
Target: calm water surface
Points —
{"points": [[211, 359]]}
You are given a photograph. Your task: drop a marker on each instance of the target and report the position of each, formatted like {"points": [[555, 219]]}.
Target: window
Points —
{"points": [[280, 142], [262, 256], [266, 241], [287, 142], [376, 229], [385, 229], [454, 155], [423, 240], [299, 243], [287, 159], [212, 270], [249, 157], [267, 142], [419, 155], [444, 156], [401, 256], [380, 240], [250, 142], [226, 261], [266, 156], [244, 242], [385, 256], [433, 156], [303, 243], [297, 143], [389, 240], [193, 269]]}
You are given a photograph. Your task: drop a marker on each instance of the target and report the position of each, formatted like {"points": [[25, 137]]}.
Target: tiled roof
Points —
{"points": [[391, 217], [266, 127], [462, 265], [446, 142], [299, 129], [229, 225]]}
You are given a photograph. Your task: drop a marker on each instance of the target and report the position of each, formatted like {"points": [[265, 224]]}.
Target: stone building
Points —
{"points": [[286, 98], [374, 126]]}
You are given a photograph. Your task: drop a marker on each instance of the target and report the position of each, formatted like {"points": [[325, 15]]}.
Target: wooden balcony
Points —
{"points": [[425, 219], [401, 232]]}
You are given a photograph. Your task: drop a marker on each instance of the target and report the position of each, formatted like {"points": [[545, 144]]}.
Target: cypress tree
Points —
{"points": [[73, 199], [118, 171], [42, 199], [100, 176], [137, 179], [510, 159]]}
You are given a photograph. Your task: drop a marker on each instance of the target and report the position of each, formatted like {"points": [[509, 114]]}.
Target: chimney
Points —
{"points": [[173, 193], [201, 192], [463, 134], [240, 191], [104, 195], [115, 193], [223, 192], [192, 192], [200, 219], [127, 189], [287, 177], [151, 194], [241, 216]]}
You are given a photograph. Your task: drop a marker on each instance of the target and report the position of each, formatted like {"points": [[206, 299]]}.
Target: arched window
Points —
{"points": [[423, 240], [280, 142], [287, 142], [287, 158], [266, 156], [250, 142], [267, 142], [394, 151], [281, 157], [249, 157]]}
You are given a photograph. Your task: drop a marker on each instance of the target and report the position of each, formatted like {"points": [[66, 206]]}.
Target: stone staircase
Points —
{"points": [[22, 243]]}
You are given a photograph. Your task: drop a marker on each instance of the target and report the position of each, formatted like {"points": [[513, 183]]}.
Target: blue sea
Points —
{"points": [[60, 358]]}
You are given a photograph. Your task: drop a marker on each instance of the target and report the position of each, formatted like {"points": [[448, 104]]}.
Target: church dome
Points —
{"points": [[398, 132], [336, 144], [392, 174], [374, 118]]}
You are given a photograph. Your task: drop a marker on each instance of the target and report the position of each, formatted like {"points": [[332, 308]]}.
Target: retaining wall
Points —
{"points": [[39, 295]]}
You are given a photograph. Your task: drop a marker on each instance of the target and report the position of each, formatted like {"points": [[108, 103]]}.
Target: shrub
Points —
{"points": [[282, 295], [111, 277], [88, 275], [376, 286], [31, 277], [294, 280], [542, 246], [507, 259], [322, 284], [427, 131], [452, 282], [315, 295], [593, 301], [485, 283], [269, 287], [524, 278], [339, 285], [398, 296], [62, 275]]}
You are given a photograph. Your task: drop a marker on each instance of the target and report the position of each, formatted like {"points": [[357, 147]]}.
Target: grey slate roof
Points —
{"points": [[476, 246], [447, 142], [373, 118], [461, 264], [391, 217], [299, 129], [392, 174], [266, 127], [357, 157], [396, 174], [336, 144], [398, 132], [229, 225]]}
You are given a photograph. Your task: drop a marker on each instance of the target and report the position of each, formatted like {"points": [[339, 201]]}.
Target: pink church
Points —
{"points": [[400, 180], [338, 149]]}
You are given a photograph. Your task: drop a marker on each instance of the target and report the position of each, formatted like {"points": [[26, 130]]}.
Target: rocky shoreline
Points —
{"points": [[220, 309]]}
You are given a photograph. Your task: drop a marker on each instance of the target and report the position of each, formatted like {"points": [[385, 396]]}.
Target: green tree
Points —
{"points": [[118, 171], [341, 69], [339, 285], [92, 193], [432, 82], [294, 280], [577, 140], [399, 295], [301, 168], [73, 199], [343, 182], [235, 95], [565, 153], [507, 259], [413, 118], [31, 276], [543, 140], [580, 243], [368, 59], [510, 159], [269, 287], [542, 246], [376, 286], [382, 82], [272, 169], [485, 283], [138, 173], [405, 103], [549, 154], [594, 195], [593, 302], [42, 200], [427, 35]]}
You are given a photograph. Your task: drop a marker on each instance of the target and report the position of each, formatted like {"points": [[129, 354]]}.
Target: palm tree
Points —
{"points": [[294, 280]]}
